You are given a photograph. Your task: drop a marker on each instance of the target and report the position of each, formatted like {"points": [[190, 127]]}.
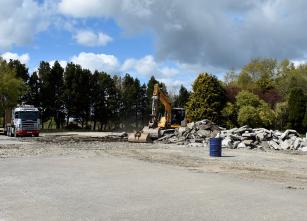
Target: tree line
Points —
{"points": [[264, 93], [96, 101]]}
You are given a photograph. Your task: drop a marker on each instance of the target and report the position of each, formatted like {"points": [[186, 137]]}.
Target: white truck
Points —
{"points": [[23, 120]]}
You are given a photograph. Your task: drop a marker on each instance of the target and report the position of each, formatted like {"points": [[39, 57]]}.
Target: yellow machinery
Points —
{"points": [[158, 125]]}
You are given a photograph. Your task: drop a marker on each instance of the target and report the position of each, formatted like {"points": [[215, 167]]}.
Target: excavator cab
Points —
{"points": [[178, 117]]}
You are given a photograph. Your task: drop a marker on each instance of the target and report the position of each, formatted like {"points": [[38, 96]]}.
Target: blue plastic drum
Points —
{"points": [[215, 147]]}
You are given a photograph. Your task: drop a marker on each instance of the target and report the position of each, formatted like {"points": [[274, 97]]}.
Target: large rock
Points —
{"points": [[248, 142], [274, 145], [304, 149], [243, 130], [285, 145], [203, 133], [235, 144], [241, 145], [297, 143], [227, 143], [287, 133]]}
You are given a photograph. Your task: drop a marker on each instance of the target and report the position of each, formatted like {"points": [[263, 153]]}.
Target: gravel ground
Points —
{"points": [[82, 178]]}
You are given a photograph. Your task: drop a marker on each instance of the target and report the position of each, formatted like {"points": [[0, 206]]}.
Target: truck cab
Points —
{"points": [[25, 121]]}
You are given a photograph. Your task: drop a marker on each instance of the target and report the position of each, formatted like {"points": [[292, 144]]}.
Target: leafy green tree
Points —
{"points": [[20, 69], [290, 77], [261, 67], [297, 108], [248, 116], [305, 119], [207, 99], [231, 78], [253, 111], [230, 114], [245, 98], [11, 87], [245, 81], [282, 115], [266, 115]]}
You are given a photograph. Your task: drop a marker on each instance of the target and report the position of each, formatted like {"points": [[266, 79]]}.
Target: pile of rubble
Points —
{"points": [[196, 133], [245, 137], [199, 133]]}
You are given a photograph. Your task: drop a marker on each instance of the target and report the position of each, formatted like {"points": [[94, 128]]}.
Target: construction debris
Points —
{"points": [[198, 133], [195, 134], [245, 137]]}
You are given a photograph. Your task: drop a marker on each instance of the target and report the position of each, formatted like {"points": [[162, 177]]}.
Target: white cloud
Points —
{"points": [[24, 58], [144, 66], [100, 62], [147, 66], [172, 74], [298, 62], [222, 34], [172, 84], [81, 8], [169, 72], [89, 38], [20, 20]]}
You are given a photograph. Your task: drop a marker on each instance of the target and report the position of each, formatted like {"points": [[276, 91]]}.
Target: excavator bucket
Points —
{"points": [[146, 135], [139, 137]]}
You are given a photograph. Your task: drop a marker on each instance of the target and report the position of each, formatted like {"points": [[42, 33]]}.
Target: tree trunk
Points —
{"points": [[49, 125], [67, 121], [94, 127]]}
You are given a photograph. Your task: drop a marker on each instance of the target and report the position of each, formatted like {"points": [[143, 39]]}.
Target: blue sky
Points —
{"points": [[171, 39]]}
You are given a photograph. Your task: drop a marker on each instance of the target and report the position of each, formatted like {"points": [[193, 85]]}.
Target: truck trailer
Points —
{"points": [[23, 120]]}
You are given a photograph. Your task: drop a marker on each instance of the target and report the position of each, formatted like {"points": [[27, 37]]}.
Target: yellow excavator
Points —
{"points": [[158, 125]]}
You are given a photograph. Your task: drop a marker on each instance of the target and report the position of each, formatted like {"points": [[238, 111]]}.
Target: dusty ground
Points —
{"points": [[82, 178]]}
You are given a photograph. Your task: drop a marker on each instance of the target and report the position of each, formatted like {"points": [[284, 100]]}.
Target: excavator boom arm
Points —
{"points": [[158, 93]]}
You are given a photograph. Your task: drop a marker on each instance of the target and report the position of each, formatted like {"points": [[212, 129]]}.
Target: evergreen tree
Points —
{"points": [[57, 87], [207, 99], [52, 85], [33, 95], [104, 99], [297, 108], [142, 104], [182, 98], [44, 73], [71, 87], [130, 89]]}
